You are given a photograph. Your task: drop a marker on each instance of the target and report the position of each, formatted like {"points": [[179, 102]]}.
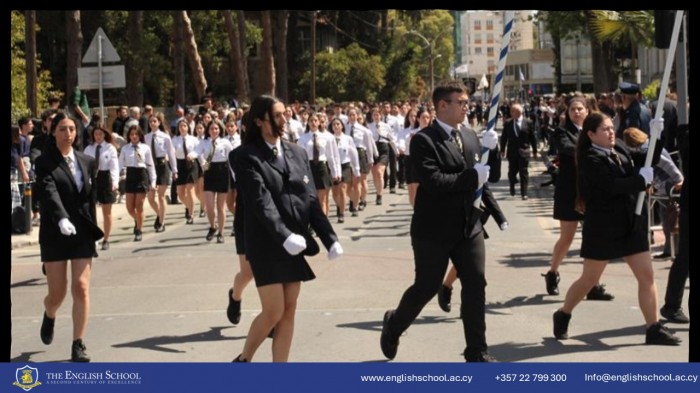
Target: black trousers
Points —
{"points": [[431, 259], [401, 174], [391, 169], [680, 266], [517, 165]]}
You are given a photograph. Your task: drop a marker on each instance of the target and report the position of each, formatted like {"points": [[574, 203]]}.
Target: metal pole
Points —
{"points": [[99, 78], [682, 74], [432, 80]]}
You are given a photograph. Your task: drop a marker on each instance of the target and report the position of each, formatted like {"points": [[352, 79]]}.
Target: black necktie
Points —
{"points": [[352, 130], [153, 144], [615, 158], [97, 156], [184, 146], [316, 152], [457, 140]]}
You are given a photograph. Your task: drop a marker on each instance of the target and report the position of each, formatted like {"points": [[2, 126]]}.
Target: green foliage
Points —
{"points": [[625, 27], [350, 74], [18, 73], [650, 91]]}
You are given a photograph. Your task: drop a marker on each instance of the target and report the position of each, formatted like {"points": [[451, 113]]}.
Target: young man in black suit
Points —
{"points": [[446, 225], [516, 140]]}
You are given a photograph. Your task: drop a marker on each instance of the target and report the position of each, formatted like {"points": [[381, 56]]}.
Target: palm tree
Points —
{"points": [[624, 28]]}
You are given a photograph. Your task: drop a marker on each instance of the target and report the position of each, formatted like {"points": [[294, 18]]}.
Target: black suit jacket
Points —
{"points": [[60, 197], [280, 200], [520, 145], [444, 201]]}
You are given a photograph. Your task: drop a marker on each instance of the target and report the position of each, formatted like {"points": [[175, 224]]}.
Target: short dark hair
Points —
{"points": [[443, 91], [23, 120]]}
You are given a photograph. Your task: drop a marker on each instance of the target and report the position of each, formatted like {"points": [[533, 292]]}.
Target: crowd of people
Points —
{"points": [[275, 167]]}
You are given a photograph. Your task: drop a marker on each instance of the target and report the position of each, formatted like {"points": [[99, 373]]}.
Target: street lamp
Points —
{"points": [[430, 56], [432, 67]]}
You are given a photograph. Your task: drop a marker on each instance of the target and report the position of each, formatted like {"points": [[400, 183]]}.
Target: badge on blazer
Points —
{"points": [[305, 179], [476, 157]]}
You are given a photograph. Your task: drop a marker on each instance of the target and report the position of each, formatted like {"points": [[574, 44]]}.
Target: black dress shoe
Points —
{"points": [[233, 311], [663, 255], [551, 279], [137, 235], [512, 190], [202, 213], [658, 334], [105, 245], [379, 200], [598, 293], [444, 296], [233, 232], [674, 315], [388, 341], [47, 329], [189, 220], [156, 224], [161, 228], [482, 357], [219, 238], [561, 324], [78, 353], [524, 197], [392, 191], [238, 359], [210, 234], [362, 205], [341, 219]]}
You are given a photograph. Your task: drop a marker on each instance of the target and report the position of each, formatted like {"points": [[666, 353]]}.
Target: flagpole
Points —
{"points": [[662, 97], [496, 93]]}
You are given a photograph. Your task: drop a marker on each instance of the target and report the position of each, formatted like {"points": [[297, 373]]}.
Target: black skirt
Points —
{"points": [[163, 173], [322, 177], [137, 180], [364, 163], [103, 184], [78, 246], [273, 272], [346, 171], [383, 152], [216, 178], [187, 172]]}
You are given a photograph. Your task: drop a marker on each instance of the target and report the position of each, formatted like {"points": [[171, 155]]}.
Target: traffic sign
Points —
{"points": [[109, 54], [112, 77]]}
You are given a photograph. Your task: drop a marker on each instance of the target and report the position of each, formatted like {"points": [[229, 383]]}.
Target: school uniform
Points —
{"points": [[280, 198], [213, 155], [163, 156], [140, 170], [366, 148], [322, 151], [107, 162], [187, 169], [66, 187], [348, 158]]}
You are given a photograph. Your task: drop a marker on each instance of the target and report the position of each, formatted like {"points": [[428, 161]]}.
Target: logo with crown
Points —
{"points": [[27, 378]]}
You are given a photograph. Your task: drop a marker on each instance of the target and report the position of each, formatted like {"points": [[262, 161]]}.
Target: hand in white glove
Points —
{"points": [[489, 139], [294, 244], [67, 228], [483, 172], [504, 226], [335, 251], [647, 173], [656, 126]]}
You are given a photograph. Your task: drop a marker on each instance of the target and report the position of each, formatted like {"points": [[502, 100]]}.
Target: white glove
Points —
{"points": [[647, 173], [504, 226], [335, 251], [483, 172], [67, 228], [294, 244], [656, 126], [489, 139]]}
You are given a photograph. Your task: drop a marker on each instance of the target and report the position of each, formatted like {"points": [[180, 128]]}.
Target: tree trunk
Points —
{"points": [[240, 14], [237, 58], [200, 82], [604, 78], [178, 60], [281, 18], [74, 38], [312, 85], [267, 80], [30, 60], [135, 60]]}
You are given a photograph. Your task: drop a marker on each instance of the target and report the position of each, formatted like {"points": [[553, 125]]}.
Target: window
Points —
{"points": [[489, 24], [489, 38], [477, 51], [489, 51], [477, 38], [477, 25]]}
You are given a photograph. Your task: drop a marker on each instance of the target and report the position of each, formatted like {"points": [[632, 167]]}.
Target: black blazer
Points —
{"points": [[518, 146], [444, 201], [610, 191], [60, 197], [279, 200]]}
